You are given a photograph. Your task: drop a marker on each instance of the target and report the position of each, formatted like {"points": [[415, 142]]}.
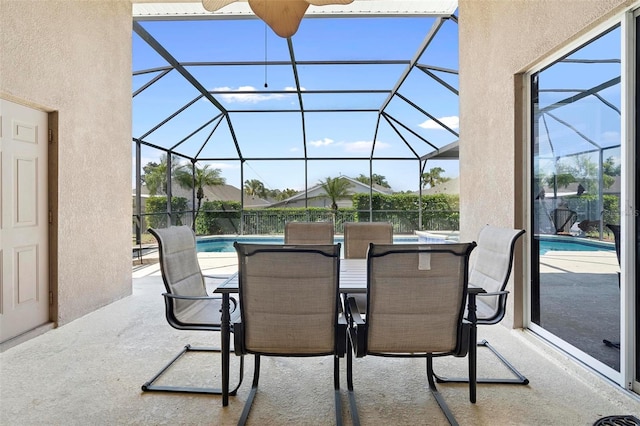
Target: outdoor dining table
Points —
{"points": [[353, 279]]}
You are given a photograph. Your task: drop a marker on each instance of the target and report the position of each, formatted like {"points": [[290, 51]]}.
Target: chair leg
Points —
{"points": [[252, 393], [611, 344], [518, 380], [254, 388], [150, 387], [434, 391], [336, 388], [355, 418]]}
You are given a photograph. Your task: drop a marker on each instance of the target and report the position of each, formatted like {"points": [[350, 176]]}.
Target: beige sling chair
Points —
{"points": [[491, 266], [187, 305], [416, 298], [289, 304], [357, 237], [308, 233]]}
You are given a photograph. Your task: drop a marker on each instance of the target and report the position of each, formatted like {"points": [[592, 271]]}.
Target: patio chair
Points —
{"points": [[308, 233], [289, 299], [615, 229], [491, 266], [357, 237], [563, 219], [416, 304], [187, 305]]}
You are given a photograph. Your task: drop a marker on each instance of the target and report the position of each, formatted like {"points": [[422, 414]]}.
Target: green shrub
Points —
{"points": [[218, 218], [156, 209]]}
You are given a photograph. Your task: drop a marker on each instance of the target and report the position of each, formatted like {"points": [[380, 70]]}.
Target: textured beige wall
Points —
{"points": [[73, 58], [499, 40]]}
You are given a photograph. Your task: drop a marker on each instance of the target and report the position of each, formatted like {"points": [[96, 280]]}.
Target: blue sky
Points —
{"points": [[584, 124], [279, 135]]}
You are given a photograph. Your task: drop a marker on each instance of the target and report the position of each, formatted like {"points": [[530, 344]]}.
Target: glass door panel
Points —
{"points": [[637, 204], [575, 205]]}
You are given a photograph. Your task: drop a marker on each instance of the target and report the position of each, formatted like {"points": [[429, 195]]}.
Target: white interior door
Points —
{"points": [[24, 252]]}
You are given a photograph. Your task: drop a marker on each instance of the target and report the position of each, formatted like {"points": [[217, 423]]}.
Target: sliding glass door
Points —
{"points": [[575, 203], [636, 184], [584, 197]]}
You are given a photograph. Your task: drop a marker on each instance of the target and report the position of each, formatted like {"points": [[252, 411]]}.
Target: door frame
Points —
{"points": [[628, 375], [52, 195]]}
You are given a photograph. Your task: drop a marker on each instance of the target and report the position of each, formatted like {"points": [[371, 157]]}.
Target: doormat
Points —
{"points": [[618, 421]]}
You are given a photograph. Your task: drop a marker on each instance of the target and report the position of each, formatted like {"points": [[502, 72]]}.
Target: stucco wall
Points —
{"points": [[499, 40], [73, 58]]}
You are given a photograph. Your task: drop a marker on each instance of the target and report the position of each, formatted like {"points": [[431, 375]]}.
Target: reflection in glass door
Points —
{"points": [[637, 203], [575, 203]]}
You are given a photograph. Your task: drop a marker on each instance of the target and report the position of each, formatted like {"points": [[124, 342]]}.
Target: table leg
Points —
{"points": [[225, 330]]}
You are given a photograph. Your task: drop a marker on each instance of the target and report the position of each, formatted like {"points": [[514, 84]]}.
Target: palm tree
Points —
{"points": [[155, 176], [336, 189], [377, 179], [255, 188], [433, 178], [197, 178]]}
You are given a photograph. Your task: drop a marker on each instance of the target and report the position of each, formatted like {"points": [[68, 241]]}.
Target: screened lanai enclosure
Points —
{"points": [[237, 130]]}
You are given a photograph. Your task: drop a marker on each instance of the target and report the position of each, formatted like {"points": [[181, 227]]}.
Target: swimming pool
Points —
{"points": [[560, 243], [225, 244]]}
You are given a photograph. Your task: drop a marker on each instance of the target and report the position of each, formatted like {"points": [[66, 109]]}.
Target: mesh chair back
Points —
{"points": [[615, 229], [491, 266], [416, 297], [358, 235], [179, 264], [563, 219], [289, 298], [308, 233]]}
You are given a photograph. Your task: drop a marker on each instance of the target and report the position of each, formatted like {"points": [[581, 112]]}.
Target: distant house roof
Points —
{"points": [[574, 189], [215, 193], [452, 186], [317, 190]]}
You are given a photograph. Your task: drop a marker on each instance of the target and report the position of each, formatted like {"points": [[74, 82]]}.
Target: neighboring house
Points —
{"points": [[318, 198], [452, 186], [212, 193], [574, 188]]}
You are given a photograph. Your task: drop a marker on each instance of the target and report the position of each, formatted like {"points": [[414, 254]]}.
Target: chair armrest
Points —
{"points": [[175, 296], [232, 300], [238, 338], [464, 341], [353, 312], [493, 293], [341, 335], [216, 277], [471, 307], [357, 328]]}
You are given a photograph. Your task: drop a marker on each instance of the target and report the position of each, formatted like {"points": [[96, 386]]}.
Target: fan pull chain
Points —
{"points": [[265, 56]]}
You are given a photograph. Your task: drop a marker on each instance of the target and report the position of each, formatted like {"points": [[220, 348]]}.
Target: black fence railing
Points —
{"points": [[268, 222]]}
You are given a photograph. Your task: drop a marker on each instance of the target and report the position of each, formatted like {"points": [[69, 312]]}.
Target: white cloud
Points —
{"points": [[248, 98], [611, 136], [363, 146], [294, 149], [453, 122], [322, 142], [358, 146]]}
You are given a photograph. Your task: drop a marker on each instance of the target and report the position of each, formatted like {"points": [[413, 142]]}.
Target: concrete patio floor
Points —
{"points": [[90, 372]]}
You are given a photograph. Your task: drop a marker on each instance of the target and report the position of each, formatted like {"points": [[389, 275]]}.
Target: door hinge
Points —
{"points": [[50, 216], [50, 136], [50, 298]]}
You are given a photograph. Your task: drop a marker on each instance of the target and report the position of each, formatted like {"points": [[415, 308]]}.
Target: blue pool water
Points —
{"points": [[573, 244], [225, 244]]}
